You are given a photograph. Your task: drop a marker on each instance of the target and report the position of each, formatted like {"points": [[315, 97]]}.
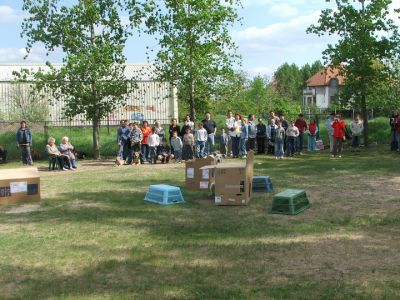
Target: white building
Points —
{"points": [[322, 88], [152, 100]]}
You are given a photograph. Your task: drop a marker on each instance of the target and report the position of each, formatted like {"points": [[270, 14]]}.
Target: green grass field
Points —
{"points": [[93, 237]]}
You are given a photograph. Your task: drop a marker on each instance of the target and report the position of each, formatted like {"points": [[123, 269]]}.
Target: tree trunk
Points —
{"points": [[191, 100], [96, 138], [364, 112]]}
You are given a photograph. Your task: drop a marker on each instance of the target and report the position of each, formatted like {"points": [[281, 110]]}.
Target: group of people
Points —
{"points": [[151, 143]]}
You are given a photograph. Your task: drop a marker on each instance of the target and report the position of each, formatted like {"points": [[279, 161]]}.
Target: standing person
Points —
{"points": [[339, 135], [251, 142], [229, 122], [153, 142], [235, 132], [356, 128], [146, 132], [261, 135], [201, 139], [244, 135], [187, 122], [159, 130], [136, 138], [211, 128], [176, 144], [393, 124], [292, 133], [123, 139], [285, 125], [172, 128], [280, 134], [312, 131], [302, 126], [188, 144], [223, 142], [24, 142], [271, 129], [329, 130], [272, 116]]}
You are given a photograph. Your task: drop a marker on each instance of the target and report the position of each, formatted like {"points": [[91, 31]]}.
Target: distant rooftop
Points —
{"points": [[140, 72], [323, 77]]}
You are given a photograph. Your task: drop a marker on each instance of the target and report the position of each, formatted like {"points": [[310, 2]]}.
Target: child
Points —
{"points": [[312, 131], [164, 152], [339, 127], [153, 142], [188, 144], [201, 138], [292, 133], [279, 140], [136, 138], [176, 144], [24, 141], [223, 143], [356, 128]]}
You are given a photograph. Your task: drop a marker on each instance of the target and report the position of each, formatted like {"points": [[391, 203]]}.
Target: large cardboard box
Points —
{"points": [[196, 178], [233, 182], [18, 185]]}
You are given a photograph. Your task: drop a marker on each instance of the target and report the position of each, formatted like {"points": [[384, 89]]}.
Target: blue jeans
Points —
{"points": [[355, 143], [300, 142], [210, 144], [235, 146], [291, 145], [311, 143], [153, 154], [145, 152], [26, 155], [123, 150], [200, 146], [279, 147], [178, 154], [242, 147]]}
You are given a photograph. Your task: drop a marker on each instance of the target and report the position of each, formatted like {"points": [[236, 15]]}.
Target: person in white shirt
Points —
{"points": [[356, 128], [201, 139], [153, 142], [234, 132], [229, 122]]}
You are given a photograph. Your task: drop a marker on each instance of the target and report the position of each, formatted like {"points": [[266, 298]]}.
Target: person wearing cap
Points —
{"points": [[329, 130], [339, 135]]}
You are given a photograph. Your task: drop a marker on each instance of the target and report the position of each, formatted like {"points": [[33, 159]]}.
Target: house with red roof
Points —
{"points": [[323, 88]]}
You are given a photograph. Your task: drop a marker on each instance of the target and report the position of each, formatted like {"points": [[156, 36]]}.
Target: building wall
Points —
{"points": [[151, 101]]}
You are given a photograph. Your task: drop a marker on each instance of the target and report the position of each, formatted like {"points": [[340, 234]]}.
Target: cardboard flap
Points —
{"points": [[20, 173]]}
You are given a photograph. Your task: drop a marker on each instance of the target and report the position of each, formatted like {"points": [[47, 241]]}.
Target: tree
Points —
{"points": [[289, 81], [366, 35], [92, 36], [196, 51]]}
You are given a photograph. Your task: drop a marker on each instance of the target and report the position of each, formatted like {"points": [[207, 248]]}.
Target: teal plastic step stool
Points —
{"points": [[290, 202], [262, 184], [164, 194]]}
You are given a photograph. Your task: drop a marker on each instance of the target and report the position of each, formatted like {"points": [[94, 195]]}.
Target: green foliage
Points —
{"points": [[196, 51], [92, 35], [366, 36]]}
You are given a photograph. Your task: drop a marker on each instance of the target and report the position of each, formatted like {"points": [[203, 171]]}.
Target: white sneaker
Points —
{"points": [[339, 156], [332, 155], [281, 157], [276, 157]]}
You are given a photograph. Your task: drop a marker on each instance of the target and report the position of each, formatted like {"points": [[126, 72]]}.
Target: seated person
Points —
{"points": [[164, 152], [3, 154], [66, 149], [53, 151]]}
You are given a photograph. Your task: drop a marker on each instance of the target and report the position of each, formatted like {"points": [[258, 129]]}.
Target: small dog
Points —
{"points": [[136, 158], [119, 161], [80, 154], [217, 156]]}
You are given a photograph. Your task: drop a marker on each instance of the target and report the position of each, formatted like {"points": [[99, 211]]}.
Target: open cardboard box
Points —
{"points": [[233, 182], [18, 185], [198, 178]]}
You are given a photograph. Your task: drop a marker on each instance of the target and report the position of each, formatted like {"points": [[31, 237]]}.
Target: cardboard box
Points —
{"points": [[233, 182], [18, 185], [207, 177], [197, 179]]}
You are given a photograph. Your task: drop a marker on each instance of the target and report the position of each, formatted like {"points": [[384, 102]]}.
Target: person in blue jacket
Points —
{"points": [[24, 142]]}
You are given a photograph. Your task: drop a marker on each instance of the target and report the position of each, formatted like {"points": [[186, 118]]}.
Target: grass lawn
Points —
{"points": [[93, 237]]}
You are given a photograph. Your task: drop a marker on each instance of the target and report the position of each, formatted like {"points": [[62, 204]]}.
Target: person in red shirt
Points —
{"points": [[146, 132], [302, 126], [339, 135]]}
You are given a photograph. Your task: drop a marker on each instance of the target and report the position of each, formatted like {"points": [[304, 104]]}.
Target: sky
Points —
{"points": [[271, 33]]}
